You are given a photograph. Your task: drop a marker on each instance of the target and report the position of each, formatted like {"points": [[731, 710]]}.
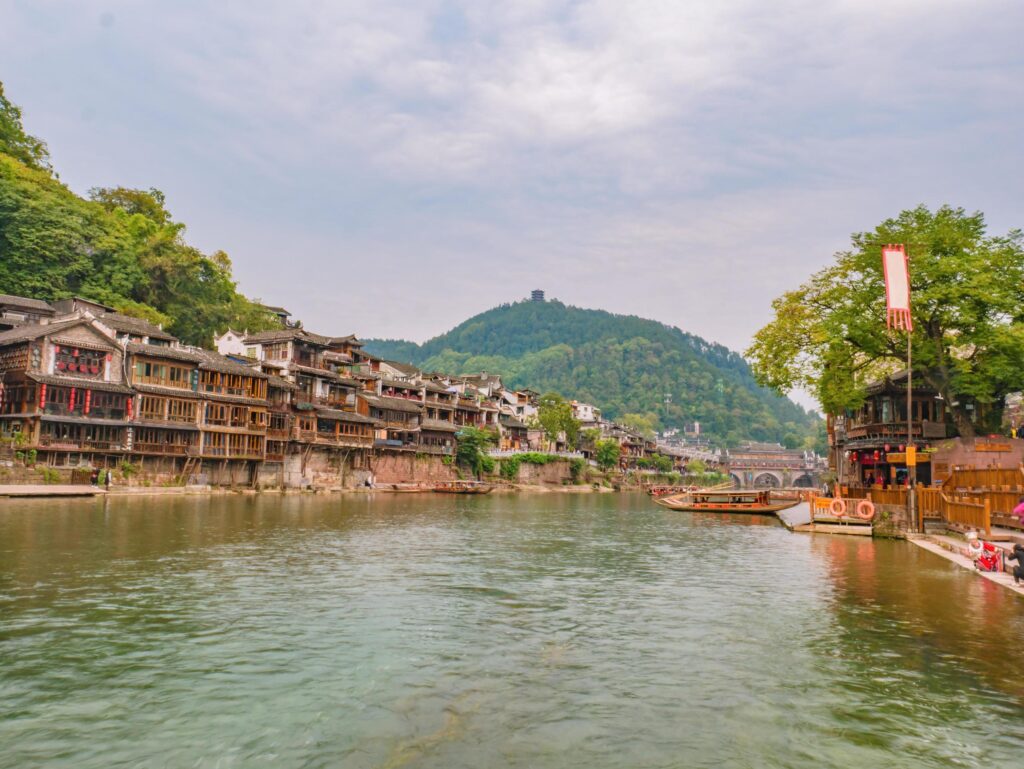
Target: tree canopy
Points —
{"points": [[967, 298], [555, 415], [121, 247]]}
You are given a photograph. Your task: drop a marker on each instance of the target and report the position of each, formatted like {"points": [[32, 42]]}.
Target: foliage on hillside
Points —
{"points": [[624, 364], [120, 248]]}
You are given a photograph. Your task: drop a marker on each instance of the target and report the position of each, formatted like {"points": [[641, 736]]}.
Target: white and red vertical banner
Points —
{"points": [[897, 288]]}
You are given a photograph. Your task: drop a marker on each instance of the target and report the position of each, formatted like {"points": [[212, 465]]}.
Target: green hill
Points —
{"points": [[120, 247], [636, 370]]}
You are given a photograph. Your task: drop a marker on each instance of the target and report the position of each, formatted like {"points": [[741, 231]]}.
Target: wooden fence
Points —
{"points": [[897, 496], [965, 514], [985, 478]]}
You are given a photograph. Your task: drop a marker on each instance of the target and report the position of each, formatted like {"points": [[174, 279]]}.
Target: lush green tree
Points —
{"points": [[14, 141], [473, 444], [555, 415], [607, 453], [829, 336], [645, 424], [696, 467], [658, 462]]}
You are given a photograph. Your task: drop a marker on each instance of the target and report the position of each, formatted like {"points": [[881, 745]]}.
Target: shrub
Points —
{"points": [[576, 468], [49, 475]]}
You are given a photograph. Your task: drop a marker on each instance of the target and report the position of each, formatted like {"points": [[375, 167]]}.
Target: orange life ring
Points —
{"points": [[865, 509], [838, 507]]}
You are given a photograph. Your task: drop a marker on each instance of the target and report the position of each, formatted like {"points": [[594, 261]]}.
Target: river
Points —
{"points": [[502, 631]]}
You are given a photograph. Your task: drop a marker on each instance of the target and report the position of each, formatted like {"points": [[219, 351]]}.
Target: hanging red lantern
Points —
{"points": [[887, 447], [75, 353], [877, 456], [902, 447]]}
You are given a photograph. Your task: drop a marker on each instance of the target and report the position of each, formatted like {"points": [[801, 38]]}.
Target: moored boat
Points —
{"points": [[462, 487], [754, 502]]}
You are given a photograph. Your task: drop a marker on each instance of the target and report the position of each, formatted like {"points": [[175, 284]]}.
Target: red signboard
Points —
{"points": [[897, 287]]}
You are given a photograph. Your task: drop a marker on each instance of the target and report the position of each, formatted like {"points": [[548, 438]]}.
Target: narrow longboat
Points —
{"points": [[754, 502], [462, 487]]}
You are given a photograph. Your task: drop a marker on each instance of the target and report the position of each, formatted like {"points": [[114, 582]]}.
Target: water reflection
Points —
{"points": [[551, 630]]}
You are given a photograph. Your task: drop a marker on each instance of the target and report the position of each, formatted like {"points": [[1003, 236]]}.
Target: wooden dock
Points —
{"points": [[49, 490], [800, 519]]}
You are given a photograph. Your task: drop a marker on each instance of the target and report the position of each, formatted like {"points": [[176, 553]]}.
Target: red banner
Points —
{"points": [[130, 403], [42, 396], [897, 287]]}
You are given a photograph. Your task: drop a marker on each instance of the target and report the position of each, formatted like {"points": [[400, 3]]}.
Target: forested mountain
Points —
{"points": [[636, 370], [120, 247]]}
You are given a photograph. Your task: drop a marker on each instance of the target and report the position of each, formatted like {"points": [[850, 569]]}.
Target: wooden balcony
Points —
{"points": [[165, 449], [73, 444], [896, 431]]}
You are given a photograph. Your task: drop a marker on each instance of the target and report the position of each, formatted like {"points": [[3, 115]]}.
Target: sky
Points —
{"points": [[390, 169]]}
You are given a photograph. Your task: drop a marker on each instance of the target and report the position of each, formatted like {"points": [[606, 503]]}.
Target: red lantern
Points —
{"points": [[42, 396], [129, 409], [71, 400], [887, 447], [75, 353], [902, 447], [88, 400], [61, 365], [877, 456]]}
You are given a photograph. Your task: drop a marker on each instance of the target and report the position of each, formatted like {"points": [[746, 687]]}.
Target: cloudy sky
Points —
{"points": [[391, 168]]}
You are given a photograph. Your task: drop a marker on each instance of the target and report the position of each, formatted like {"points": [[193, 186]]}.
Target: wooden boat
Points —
{"points": [[754, 502], [462, 487]]}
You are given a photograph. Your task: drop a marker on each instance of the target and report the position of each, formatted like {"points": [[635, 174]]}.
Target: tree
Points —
{"points": [[15, 142], [829, 335], [555, 415], [645, 424], [473, 444], [696, 467], [606, 453]]}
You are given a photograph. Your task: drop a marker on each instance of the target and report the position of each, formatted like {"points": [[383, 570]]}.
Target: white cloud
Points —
{"points": [[681, 160]]}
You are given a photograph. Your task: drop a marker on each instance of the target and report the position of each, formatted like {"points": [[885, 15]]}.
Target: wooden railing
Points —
{"points": [[897, 496], [961, 512], [929, 505], [985, 478], [174, 449]]}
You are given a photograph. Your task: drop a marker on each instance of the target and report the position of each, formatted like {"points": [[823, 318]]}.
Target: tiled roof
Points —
{"points": [[212, 361], [438, 425], [35, 330], [406, 369], [345, 416], [284, 335], [394, 404], [24, 302], [402, 385], [126, 324], [280, 383], [161, 351]]}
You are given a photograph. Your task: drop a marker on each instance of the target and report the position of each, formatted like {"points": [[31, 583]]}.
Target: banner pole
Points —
{"points": [[910, 453]]}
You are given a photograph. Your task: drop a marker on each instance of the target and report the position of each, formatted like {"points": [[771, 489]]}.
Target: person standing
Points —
{"points": [[1018, 556]]}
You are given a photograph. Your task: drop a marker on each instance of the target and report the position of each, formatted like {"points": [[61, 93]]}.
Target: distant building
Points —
{"points": [[537, 295]]}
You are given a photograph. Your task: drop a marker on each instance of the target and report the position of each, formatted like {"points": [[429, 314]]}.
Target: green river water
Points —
{"points": [[528, 631]]}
